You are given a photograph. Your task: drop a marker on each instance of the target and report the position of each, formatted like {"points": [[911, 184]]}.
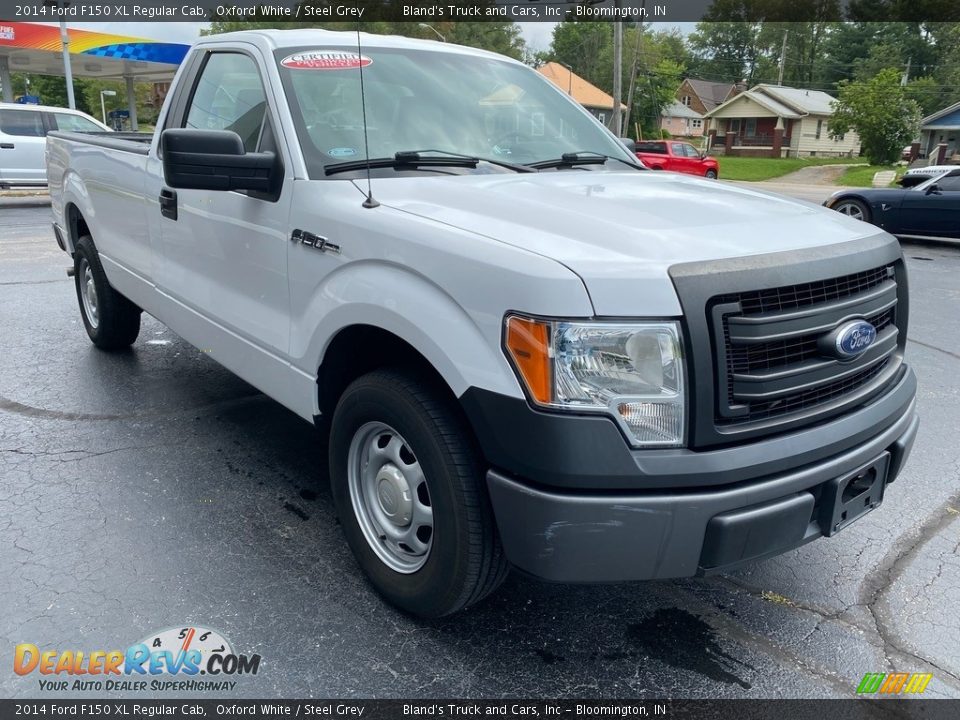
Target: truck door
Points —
{"points": [[223, 254], [22, 142]]}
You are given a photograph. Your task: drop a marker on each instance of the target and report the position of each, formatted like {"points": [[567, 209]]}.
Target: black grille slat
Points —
{"points": [[773, 351], [817, 396], [795, 296]]}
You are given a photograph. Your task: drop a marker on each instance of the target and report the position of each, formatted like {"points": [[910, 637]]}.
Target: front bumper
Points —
{"points": [[657, 531]]}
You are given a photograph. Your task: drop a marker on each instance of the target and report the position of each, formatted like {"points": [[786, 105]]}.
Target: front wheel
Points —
{"points": [[112, 322], [408, 485], [711, 174], [853, 208]]}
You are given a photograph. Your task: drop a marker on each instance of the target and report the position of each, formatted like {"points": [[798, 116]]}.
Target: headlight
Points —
{"points": [[631, 371]]}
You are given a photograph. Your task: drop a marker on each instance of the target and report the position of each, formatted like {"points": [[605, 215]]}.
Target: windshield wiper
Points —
{"points": [[580, 157], [413, 159], [493, 161]]}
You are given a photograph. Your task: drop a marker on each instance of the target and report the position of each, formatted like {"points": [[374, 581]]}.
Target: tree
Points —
{"points": [[879, 110], [51, 89]]}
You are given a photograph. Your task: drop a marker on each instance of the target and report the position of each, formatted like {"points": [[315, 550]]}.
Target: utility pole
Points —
{"points": [[906, 76], [783, 58], [617, 125], [633, 70]]}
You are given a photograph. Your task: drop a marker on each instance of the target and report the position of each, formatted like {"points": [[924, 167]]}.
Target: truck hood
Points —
{"points": [[621, 231]]}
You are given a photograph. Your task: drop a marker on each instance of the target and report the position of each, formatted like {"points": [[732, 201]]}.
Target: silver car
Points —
{"points": [[23, 139]]}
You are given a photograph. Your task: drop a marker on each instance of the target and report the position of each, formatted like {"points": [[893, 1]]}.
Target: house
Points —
{"points": [[940, 136], [599, 103], [775, 121], [702, 96], [679, 119]]}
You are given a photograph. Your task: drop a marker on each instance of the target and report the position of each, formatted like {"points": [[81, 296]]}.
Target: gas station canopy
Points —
{"points": [[39, 49]]}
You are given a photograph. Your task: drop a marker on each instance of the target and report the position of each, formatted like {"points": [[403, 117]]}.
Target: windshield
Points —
{"points": [[429, 100]]}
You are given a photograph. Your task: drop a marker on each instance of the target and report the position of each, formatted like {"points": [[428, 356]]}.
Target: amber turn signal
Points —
{"points": [[528, 345]]}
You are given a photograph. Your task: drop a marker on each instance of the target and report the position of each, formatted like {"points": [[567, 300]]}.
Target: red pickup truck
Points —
{"points": [[677, 156]]}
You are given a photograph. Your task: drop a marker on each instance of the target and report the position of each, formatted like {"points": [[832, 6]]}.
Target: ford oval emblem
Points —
{"points": [[854, 338]]}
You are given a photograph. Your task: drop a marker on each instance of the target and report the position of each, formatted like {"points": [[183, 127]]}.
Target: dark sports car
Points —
{"points": [[928, 210]]}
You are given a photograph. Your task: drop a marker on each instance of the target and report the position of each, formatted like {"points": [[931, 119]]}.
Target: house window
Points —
{"points": [[733, 126], [750, 127], [697, 123], [686, 100], [602, 117], [819, 129]]}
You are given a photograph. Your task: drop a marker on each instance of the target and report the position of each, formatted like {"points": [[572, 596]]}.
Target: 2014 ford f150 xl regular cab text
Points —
{"points": [[525, 349]]}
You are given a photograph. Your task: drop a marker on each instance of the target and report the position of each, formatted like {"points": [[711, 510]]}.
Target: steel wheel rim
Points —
{"points": [[390, 497], [88, 293], [850, 210]]}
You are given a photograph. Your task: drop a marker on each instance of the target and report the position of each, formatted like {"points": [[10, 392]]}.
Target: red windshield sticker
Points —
{"points": [[325, 60]]}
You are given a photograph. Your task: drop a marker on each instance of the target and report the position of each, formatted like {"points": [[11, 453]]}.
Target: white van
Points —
{"points": [[23, 139]]}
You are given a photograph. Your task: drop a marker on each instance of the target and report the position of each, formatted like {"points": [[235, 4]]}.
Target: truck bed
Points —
{"points": [[134, 142]]}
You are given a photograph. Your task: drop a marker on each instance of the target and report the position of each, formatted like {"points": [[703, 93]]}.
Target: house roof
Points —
{"points": [[679, 110], [582, 91], [811, 102], [771, 105], [929, 120], [711, 94], [786, 102]]}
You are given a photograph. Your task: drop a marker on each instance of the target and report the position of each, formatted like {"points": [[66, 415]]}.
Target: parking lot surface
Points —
{"points": [[153, 489]]}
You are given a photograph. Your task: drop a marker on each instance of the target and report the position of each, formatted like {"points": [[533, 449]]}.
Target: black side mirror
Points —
{"points": [[214, 160], [933, 190], [629, 144]]}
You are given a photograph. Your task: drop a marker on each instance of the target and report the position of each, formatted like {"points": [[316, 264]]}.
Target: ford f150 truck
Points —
{"points": [[677, 156], [524, 349]]}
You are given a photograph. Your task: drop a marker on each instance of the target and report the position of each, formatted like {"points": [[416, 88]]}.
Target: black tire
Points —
{"points": [[113, 322], [711, 174], [851, 207], [465, 561]]}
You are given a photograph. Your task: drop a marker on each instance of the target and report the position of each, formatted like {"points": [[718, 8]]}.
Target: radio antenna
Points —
{"points": [[368, 202]]}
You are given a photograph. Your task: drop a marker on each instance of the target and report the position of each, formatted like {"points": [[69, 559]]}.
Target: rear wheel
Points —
{"points": [[111, 321], [853, 208], [408, 485]]}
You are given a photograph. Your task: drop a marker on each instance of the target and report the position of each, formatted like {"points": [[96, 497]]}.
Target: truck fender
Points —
{"points": [[463, 352]]}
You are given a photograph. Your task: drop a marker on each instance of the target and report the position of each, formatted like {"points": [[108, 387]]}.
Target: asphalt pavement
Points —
{"points": [[152, 489]]}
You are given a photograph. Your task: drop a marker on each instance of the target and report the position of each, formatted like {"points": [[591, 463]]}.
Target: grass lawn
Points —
{"points": [[756, 169], [863, 176]]}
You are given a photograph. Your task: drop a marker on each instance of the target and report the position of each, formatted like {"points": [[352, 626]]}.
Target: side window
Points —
{"points": [[691, 151], [23, 123], [229, 96], [75, 123], [678, 149], [949, 184]]}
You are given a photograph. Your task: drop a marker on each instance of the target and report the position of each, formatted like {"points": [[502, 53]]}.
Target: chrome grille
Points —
{"points": [[767, 356]]}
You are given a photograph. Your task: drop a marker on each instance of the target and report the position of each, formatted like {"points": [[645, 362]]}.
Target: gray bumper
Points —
{"points": [[621, 536]]}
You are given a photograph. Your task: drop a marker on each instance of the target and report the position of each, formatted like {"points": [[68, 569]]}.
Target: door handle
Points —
{"points": [[168, 203], [6, 146]]}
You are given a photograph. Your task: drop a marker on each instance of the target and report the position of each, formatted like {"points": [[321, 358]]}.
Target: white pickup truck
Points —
{"points": [[526, 350]]}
